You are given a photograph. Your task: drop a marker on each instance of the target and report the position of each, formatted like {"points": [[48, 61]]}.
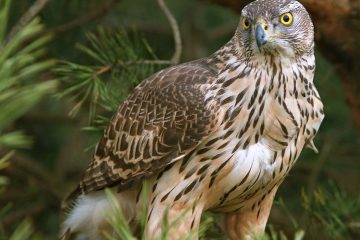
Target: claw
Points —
{"points": [[311, 145]]}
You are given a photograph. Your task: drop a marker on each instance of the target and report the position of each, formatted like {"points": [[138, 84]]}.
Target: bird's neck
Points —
{"points": [[253, 94], [227, 54], [236, 70]]}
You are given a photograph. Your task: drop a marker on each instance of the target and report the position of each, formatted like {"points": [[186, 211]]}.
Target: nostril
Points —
{"points": [[262, 35]]}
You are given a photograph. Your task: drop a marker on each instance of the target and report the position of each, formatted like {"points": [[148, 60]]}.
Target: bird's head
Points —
{"points": [[276, 27]]}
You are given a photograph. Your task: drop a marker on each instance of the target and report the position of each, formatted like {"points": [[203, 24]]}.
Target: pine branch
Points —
{"points": [[176, 32], [33, 11], [19, 63], [150, 62], [120, 62]]}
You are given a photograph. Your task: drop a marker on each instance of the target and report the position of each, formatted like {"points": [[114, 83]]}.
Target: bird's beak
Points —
{"points": [[261, 35]]}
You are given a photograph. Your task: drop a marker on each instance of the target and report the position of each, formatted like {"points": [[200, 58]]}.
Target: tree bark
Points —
{"points": [[337, 27]]}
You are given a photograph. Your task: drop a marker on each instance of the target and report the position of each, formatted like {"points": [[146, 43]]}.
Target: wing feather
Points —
{"points": [[160, 122]]}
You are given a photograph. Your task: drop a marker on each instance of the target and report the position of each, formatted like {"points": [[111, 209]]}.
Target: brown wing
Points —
{"points": [[163, 119]]}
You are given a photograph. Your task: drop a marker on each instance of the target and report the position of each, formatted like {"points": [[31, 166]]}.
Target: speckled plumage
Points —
{"points": [[218, 134]]}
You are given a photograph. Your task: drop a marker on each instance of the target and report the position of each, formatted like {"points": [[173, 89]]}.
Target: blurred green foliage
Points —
{"points": [[96, 43], [19, 65], [21, 62]]}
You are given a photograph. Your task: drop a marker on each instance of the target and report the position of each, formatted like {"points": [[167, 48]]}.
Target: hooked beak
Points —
{"points": [[260, 33]]}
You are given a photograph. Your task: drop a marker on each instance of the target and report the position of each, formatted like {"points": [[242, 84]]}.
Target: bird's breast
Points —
{"points": [[270, 116]]}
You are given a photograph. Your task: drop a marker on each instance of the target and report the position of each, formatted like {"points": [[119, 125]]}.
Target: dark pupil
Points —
{"points": [[247, 23], [286, 18]]}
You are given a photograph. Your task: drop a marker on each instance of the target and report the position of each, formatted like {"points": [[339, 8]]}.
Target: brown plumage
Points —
{"points": [[217, 134], [157, 124]]}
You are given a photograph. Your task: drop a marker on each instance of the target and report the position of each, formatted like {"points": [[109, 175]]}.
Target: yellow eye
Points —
{"points": [[286, 19], [246, 23]]}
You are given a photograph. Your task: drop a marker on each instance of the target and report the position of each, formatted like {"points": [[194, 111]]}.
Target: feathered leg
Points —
{"points": [[249, 224], [178, 220]]}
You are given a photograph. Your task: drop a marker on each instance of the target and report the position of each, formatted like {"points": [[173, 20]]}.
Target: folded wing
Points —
{"points": [[160, 122]]}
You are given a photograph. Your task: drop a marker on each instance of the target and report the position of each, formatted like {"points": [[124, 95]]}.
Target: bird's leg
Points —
{"points": [[175, 221], [251, 223]]}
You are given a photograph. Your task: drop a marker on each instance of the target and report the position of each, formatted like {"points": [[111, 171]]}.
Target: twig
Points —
{"points": [[97, 13], [175, 27], [150, 62], [46, 118], [26, 18], [15, 216], [108, 68], [31, 167], [13, 195], [103, 70], [146, 27]]}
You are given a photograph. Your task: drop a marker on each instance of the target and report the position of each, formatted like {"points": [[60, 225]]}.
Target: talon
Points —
{"points": [[312, 146]]}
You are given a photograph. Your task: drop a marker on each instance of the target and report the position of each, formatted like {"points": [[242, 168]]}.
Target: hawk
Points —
{"points": [[216, 134]]}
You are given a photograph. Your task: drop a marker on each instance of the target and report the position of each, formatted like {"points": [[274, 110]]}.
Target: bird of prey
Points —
{"points": [[217, 134]]}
